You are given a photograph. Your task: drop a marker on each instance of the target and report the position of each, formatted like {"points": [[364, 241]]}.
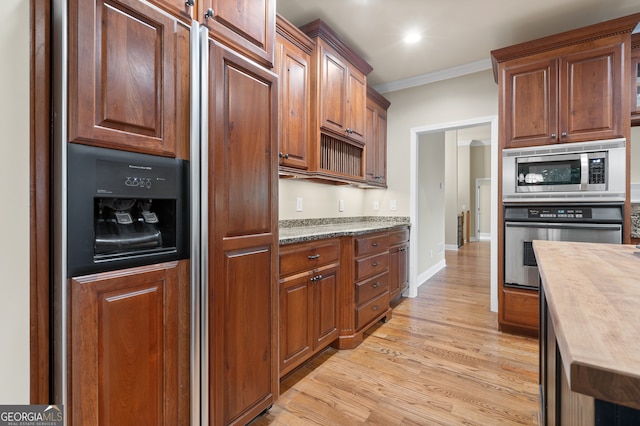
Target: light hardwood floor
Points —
{"points": [[439, 361]]}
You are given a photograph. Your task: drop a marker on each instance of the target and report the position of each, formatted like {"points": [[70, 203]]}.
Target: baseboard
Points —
{"points": [[484, 237], [451, 247], [424, 277]]}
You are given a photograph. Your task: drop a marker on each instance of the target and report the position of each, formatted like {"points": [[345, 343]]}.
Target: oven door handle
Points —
{"points": [[592, 226]]}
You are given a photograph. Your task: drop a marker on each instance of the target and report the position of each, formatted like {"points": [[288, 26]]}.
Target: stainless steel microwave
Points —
{"points": [[585, 171]]}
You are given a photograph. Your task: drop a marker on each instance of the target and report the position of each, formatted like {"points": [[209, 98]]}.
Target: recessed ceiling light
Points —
{"points": [[412, 38]]}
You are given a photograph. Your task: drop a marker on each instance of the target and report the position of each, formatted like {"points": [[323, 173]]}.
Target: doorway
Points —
{"points": [[420, 132]]}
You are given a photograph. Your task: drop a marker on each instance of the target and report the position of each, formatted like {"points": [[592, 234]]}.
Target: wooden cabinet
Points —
{"points": [[293, 61], [376, 138], [570, 95], [309, 280], [243, 237], [247, 26], [129, 360], [635, 80], [398, 262], [519, 310], [364, 298], [128, 77], [342, 94], [339, 87], [183, 9]]}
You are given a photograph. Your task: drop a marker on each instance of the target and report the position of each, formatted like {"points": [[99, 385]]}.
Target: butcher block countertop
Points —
{"points": [[593, 296]]}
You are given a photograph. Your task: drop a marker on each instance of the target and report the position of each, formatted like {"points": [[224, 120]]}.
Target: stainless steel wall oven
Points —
{"points": [[562, 222]]}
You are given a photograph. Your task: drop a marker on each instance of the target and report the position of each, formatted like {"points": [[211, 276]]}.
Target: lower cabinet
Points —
{"points": [[519, 310], [398, 262], [309, 282], [129, 360]]}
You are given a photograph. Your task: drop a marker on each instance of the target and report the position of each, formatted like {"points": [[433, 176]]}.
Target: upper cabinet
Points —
{"points": [[338, 118], [248, 26], [128, 77], [635, 80], [571, 87], [183, 9], [293, 61], [376, 138]]}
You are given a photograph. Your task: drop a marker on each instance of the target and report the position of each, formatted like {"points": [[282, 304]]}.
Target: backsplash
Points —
{"points": [[293, 223], [635, 220]]}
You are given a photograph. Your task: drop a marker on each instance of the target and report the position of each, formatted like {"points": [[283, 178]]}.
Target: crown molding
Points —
{"points": [[432, 77]]}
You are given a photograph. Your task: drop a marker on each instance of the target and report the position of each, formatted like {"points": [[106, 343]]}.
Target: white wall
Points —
{"points": [[14, 214], [451, 189], [431, 201]]}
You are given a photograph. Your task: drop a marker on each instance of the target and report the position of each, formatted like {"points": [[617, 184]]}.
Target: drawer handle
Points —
{"points": [[374, 264], [402, 249], [375, 308], [315, 256], [375, 285], [375, 244], [316, 278]]}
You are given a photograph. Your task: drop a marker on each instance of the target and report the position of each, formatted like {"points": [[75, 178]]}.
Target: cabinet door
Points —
{"points": [[333, 93], [128, 76], [243, 241], [325, 312], [529, 104], [293, 70], [591, 85], [635, 86], [295, 322], [125, 362], [371, 134], [179, 8], [381, 150], [248, 26], [356, 105]]}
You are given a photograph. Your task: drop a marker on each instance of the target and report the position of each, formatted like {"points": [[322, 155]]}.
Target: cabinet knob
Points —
{"points": [[563, 134], [190, 3], [375, 285], [374, 244], [553, 135], [209, 13], [402, 249], [285, 156], [375, 307], [349, 130], [319, 277], [374, 263], [313, 257]]}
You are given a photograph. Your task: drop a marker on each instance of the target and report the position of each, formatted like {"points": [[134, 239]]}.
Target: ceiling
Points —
{"points": [[457, 35]]}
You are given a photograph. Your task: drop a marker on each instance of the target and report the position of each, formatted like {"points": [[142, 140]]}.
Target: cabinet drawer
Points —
{"points": [[367, 312], [306, 256], [398, 237], [368, 289], [372, 244], [372, 265], [521, 307]]}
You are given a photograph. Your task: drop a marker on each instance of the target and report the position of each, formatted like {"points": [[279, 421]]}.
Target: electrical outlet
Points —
{"points": [[440, 248], [376, 205], [341, 205], [393, 205], [432, 254], [299, 204]]}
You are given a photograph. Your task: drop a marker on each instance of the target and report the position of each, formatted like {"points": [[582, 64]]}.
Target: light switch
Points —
{"points": [[299, 204], [393, 205], [376, 205], [341, 205]]}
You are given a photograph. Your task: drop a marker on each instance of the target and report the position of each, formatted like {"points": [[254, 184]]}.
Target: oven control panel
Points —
{"points": [[559, 213]]}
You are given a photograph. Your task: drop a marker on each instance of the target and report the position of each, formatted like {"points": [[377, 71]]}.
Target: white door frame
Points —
{"points": [[413, 198]]}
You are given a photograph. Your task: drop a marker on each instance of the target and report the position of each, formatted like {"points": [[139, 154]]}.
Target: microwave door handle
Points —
{"points": [[586, 226], [584, 170]]}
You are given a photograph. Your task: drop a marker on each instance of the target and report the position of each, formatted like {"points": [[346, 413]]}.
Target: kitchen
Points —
{"points": [[478, 86]]}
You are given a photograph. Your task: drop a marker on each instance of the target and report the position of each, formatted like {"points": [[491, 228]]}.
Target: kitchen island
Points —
{"points": [[589, 323]]}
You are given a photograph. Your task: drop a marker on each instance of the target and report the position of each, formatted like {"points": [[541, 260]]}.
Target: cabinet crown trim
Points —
{"points": [[319, 28], [292, 33], [624, 25], [377, 97]]}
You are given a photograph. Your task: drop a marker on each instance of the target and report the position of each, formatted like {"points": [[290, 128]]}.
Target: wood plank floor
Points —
{"points": [[439, 361]]}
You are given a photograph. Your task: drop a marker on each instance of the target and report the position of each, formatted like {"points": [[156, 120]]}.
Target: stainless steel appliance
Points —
{"points": [[575, 172], [580, 223]]}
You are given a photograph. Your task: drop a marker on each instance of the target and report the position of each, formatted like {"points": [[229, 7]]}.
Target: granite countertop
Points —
{"points": [[635, 220], [592, 292], [301, 230]]}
